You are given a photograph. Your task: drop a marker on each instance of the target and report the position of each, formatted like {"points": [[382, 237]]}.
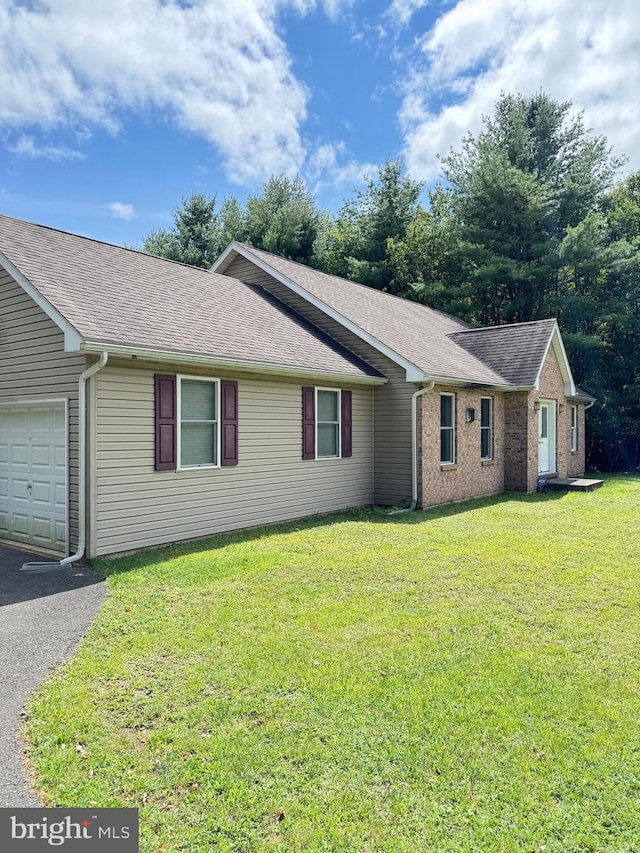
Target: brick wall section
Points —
{"points": [[470, 477], [516, 440], [576, 460], [521, 431]]}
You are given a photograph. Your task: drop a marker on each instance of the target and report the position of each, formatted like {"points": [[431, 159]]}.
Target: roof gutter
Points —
{"points": [[82, 472], [226, 363]]}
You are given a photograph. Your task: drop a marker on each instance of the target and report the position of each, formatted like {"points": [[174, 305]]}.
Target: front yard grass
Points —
{"points": [[464, 679]]}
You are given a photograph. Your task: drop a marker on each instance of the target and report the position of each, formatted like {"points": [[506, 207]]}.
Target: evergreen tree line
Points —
{"points": [[529, 222]]}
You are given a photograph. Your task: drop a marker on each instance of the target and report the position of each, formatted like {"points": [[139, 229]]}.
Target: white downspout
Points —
{"points": [[414, 449], [414, 443], [82, 471]]}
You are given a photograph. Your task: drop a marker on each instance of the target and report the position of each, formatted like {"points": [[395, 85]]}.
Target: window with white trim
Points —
{"points": [[327, 423], [198, 422], [574, 428], [486, 428], [447, 429]]}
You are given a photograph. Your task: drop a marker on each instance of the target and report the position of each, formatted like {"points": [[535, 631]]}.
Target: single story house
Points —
{"points": [[143, 401]]}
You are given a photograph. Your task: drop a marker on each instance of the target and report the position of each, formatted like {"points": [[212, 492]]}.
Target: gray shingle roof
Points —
{"points": [[121, 296], [515, 352], [417, 333], [583, 395]]}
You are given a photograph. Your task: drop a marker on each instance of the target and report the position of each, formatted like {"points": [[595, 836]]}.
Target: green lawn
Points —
{"points": [[464, 679]]}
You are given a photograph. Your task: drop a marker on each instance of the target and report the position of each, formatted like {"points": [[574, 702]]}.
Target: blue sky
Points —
{"points": [[109, 113]]}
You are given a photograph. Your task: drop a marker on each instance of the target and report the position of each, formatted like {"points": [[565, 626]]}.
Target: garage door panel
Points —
{"points": [[19, 455], [33, 474], [60, 497], [42, 493], [18, 420], [59, 421], [42, 529], [19, 490], [60, 458], [19, 524], [41, 456], [40, 421], [60, 533]]}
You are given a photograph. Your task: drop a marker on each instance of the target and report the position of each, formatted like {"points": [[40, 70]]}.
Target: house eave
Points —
{"points": [[467, 383], [199, 360]]}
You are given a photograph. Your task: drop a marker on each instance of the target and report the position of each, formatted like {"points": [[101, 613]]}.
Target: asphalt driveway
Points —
{"points": [[42, 618]]}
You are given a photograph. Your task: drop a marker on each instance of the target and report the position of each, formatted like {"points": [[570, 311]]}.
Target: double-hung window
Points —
{"points": [[574, 428], [447, 429], [327, 423], [486, 428], [198, 424], [327, 426]]}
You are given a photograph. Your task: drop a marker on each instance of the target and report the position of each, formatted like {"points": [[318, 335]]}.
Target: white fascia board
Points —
{"points": [[195, 359], [72, 338], [466, 383], [555, 340], [220, 261], [413, 372]]}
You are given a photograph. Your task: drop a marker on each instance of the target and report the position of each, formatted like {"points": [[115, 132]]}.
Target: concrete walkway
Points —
{"points": [[42, 618]]}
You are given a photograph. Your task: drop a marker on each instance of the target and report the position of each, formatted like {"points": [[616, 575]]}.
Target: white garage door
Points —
{"points": [[33, 474]]}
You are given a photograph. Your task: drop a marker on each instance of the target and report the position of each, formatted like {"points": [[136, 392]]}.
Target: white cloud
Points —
{"points": [[217, 67], [585, 51], [330, 165], [334, 8], [401, 11], [27, 147], [121, 211]]}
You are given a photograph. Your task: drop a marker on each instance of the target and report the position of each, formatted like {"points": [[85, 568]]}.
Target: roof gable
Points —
{"points": [[414, 336], [518, 351]]}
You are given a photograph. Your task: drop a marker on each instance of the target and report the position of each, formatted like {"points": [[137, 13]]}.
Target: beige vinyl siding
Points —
{"points": [[34, 366], [392, 473], [136, 506]]}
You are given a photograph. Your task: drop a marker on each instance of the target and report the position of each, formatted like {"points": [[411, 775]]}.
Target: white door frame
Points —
{"points": [[547, 443], [48, 401]]}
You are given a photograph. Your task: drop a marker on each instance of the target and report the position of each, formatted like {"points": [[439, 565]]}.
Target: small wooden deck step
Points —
{"points": [[576, 484]]}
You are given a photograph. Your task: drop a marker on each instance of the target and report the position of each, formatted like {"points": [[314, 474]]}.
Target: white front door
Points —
{"points": [[546, 437], [33, 474]]}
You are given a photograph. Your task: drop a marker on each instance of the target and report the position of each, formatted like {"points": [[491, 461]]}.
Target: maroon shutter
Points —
{"points": [[229, 406], [166, 426], [308, 423], [346, 430]]}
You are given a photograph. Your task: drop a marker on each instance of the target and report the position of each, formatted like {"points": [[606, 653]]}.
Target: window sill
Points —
{"points": [[448, 466], [180, 469], [487, 462]]}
